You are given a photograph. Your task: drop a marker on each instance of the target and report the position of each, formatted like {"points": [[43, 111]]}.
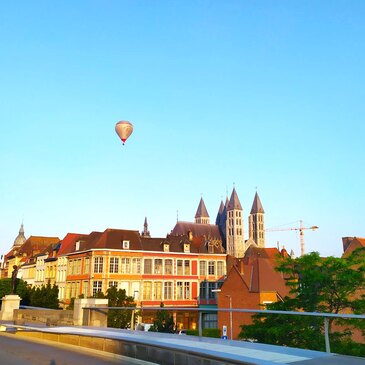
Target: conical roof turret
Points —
{"points": [[256, 205], [234, 202], [202, 210], [220, 212]]}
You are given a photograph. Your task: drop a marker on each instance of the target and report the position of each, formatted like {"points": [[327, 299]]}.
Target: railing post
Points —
{"points": [[200, 324], [326, 334]]}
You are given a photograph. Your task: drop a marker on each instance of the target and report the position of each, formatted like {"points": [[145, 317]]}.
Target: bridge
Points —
{"points": [[173, 349]]}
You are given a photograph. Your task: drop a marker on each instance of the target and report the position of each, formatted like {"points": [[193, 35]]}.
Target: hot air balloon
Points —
{"points": [[124, 129]]}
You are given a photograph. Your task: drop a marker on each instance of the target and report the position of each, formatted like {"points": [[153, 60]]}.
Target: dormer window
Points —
{"points": [[166, 247], [186, 247], [210, 247], [77, 246], [125, 245]]}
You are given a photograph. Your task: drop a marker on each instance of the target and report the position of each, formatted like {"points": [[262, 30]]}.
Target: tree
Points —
{"points": [[329, 285], [21, 289], [120, 318], [164, 322]]}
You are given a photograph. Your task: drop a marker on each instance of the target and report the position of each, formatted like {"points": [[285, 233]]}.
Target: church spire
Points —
{"points": [[256, 205], [256, 222], [146, 232], [202, 216], [235, 227]]}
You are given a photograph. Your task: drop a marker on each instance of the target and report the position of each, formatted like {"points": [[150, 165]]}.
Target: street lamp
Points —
{"points": [[230, 314], [230, 310]]}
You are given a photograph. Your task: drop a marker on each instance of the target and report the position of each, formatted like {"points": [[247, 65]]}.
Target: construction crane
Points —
{"points": [[301, 233]]}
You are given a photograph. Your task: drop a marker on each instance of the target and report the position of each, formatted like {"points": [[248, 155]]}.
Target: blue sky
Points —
{"points": [[266, 94]]}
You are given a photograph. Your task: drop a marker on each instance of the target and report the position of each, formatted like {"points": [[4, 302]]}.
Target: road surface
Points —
{"points": [[19, 351]]}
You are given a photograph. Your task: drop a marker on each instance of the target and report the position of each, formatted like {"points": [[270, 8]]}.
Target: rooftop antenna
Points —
{"points": [[177, 215]]}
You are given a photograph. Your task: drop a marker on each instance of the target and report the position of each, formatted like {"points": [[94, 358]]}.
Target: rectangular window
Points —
{"points": [[136, 266], [98, 264], [203, 290], [113, 283], [179, 290], [85, 289], [211, 293], [186, 267], [203, 268], [158, 266], [97, 287], [87, 265], [211, 268], [114, 265], [148, 266], [179, 267], [157, 290], [125, 265], [168, 267], [147, 290], [187, 290], [167, 291], [220, 268]]}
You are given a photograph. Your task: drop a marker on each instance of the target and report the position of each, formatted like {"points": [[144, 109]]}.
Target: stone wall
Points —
{"points": [[50, 317]]}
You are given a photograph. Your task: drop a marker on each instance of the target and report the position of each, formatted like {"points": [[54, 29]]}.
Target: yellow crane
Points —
{"points": [[301, 233]]}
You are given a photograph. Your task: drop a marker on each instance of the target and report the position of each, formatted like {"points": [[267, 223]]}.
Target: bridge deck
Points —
{"points": [[235, 351]]}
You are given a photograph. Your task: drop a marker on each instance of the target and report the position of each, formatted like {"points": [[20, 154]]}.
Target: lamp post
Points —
{"points": [[230, 315]]}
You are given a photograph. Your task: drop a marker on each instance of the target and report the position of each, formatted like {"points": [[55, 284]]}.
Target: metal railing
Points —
{"points": [[325, 316]]}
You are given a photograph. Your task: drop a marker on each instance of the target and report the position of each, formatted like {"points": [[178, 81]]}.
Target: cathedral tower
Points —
{"points": [[256, 222], [234, 227], [202, 216]]}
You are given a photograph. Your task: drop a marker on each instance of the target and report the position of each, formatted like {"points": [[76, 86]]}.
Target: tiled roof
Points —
{"points": [[260, 275], [199, 230], [68, 243], [33, 245]]}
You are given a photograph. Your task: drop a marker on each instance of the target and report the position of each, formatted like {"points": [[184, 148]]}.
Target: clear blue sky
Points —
{"points": [[256, 93]]}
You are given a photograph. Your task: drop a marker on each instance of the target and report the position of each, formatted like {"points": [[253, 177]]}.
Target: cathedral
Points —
{"points": [[229, 225]]}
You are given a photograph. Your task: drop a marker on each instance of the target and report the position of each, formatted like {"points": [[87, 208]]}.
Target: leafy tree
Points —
{"points": [[329, 285], [120, 318], [164, 322], [44, 297], [21, 289]]}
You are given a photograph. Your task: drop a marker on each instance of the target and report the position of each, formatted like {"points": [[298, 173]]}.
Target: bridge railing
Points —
{"points": [[325, 316]]}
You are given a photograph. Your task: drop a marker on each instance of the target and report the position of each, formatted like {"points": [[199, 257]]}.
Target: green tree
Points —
{"points": [[164, 322], [120, 318], [329, 285], [21, 289]]}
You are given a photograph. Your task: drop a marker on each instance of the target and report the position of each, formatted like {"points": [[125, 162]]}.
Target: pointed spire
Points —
{"points": [[256, 205], [146, 232], [202, 210], [219, 215], [234, 202]]}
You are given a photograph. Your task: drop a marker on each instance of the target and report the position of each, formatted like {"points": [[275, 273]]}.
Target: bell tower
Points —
{"points": [[235, 227]]}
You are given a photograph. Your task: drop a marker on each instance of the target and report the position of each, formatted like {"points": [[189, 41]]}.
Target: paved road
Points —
{"points": [[15, 351]]}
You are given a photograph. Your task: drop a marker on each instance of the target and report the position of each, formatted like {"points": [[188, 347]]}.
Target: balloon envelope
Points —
{"points": [[124, 129]]}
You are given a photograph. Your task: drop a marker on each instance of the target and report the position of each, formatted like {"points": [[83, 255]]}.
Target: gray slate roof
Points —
{"points": [[202, 210], [234, 202], [256, 205]]}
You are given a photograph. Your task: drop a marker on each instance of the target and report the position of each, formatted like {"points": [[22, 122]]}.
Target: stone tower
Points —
{"points": [[202, 216], [234, 227], [256, 222]]}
